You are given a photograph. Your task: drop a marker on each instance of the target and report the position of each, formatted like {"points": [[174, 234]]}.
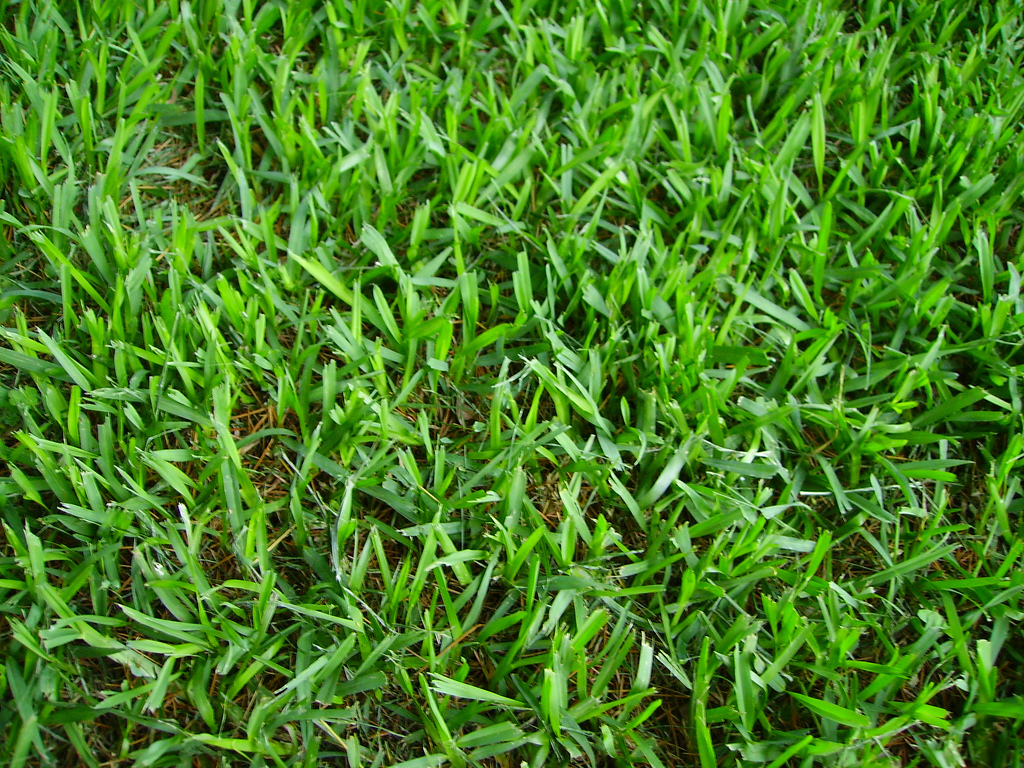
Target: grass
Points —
{"points": [[436, 383]]}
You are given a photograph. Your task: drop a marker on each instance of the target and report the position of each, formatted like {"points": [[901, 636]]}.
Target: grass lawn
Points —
{"points": [[511, 383]]}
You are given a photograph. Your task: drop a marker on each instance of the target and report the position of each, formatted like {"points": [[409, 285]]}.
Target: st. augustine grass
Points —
{"points": [[437, 383]]}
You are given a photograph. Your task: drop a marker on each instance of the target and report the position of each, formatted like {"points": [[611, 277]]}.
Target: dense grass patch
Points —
{"points": [[486, 384]]}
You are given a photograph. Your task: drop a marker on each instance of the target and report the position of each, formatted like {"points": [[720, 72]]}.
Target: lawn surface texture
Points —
{"points": [[484, 384]]}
